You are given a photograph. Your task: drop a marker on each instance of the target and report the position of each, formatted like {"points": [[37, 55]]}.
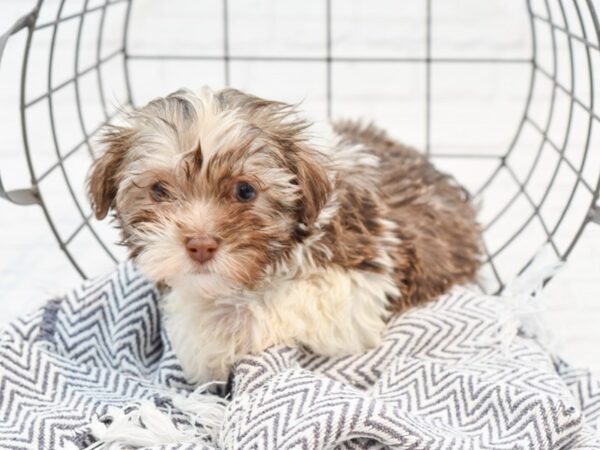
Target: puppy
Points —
{"points": [[259, 236]]}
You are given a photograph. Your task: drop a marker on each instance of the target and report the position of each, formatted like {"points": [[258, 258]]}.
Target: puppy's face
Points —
{"points": [[210, 189]]}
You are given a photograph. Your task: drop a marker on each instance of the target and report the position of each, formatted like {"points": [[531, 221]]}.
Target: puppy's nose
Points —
{"points": [[201, 248]]}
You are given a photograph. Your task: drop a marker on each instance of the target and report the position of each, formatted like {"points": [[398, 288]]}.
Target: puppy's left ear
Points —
{"points": [[312, 177], [106, 171]]}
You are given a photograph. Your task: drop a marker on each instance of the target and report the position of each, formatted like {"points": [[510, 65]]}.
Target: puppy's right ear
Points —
{"points": [[107, 170]]}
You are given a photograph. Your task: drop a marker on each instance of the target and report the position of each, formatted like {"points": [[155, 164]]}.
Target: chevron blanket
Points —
{"points": [[457, 374]]}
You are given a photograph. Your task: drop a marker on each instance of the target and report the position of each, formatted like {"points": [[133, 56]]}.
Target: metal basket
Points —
{"points": [[539, 189]]}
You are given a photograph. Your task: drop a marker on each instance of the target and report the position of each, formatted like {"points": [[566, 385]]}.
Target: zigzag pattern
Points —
{"points": [[445, 376], [99, 346]]}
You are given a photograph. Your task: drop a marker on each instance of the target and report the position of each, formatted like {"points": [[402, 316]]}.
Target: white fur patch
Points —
{"points": [[331, 311]]}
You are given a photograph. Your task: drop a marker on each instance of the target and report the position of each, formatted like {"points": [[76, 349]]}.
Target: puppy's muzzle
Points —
{"points": [[201, 248]]}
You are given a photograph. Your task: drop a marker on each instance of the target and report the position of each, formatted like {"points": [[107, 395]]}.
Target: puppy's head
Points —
{"points": [[210, 188]]}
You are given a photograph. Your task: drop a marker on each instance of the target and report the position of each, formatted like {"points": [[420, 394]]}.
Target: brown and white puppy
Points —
{"points": [[261, 237]]}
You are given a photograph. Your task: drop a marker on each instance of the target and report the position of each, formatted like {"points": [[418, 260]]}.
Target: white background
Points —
{"points": [[476, 109]]}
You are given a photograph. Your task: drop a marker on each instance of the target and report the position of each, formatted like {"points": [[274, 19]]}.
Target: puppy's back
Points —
{"points": [[440, 238]]}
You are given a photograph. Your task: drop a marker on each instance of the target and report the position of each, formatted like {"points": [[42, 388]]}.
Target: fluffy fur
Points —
{"points": [[338, 237]]}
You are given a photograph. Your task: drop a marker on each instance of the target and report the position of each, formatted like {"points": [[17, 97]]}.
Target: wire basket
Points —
{"points": [[535, 171]]}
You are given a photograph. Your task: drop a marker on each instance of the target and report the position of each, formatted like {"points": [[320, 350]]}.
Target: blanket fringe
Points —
{"points": [[543, 266], [525, 308], [143, 424]]}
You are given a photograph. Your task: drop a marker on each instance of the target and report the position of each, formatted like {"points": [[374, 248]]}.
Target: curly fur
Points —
{"points": [[339, 237]]}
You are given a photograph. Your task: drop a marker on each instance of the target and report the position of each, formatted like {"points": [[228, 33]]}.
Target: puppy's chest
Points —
{"points": [[331, 311]]}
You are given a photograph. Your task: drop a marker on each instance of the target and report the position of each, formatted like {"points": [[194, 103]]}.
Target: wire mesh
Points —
{"points": [[541, 190]]}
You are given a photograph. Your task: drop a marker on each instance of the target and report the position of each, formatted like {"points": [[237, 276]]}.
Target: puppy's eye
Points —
{"points": [[159, 192], [245, 192]]}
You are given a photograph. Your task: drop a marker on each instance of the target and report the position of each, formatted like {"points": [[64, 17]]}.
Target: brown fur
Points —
{"points": [[439, 240], [440, 237], [104, 179]]}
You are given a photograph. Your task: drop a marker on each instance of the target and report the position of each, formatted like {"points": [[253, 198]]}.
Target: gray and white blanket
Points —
{"points": [[456, 374]]}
